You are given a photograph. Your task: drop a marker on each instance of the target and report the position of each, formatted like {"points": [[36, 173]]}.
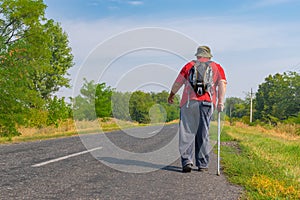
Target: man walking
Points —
{"points": [[196, 108]]}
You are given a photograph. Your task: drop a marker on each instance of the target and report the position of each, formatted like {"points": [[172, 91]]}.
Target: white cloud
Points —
{"points": [[135, 3], [94, 2]]}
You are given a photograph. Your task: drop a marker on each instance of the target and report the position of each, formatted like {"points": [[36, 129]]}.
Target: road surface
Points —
{"points": [[66, 169]]}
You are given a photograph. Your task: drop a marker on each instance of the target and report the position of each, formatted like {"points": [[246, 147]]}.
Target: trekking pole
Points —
{"points": [[219, 142]]}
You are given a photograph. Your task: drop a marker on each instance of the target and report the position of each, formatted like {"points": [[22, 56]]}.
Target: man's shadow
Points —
{"points": [[118, 161]]}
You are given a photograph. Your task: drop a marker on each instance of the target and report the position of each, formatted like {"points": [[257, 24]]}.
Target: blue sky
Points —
{"points": [[251, 39], [96, 9]]}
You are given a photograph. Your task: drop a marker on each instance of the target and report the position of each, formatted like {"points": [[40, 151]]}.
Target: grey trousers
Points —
{"points": [[194, 133]]}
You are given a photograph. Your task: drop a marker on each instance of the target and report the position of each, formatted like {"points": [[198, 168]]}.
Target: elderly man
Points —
{"points": [[196, 109]]}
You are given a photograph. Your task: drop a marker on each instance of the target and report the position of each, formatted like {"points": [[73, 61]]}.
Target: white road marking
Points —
{"points": [[153, 132], [65, 157]]}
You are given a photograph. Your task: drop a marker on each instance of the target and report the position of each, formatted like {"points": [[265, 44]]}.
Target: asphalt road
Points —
{"points": [[85, 168]]}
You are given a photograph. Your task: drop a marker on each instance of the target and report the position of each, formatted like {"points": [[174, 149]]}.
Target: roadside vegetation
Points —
{"points": [[69, 128], [73, 128], [265, 162]]}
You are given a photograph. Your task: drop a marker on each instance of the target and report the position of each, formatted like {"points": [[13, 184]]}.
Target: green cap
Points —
{"points": [[203, 51]]}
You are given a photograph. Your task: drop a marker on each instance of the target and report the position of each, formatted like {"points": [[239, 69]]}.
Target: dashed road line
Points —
{"points": [[65, 157], [153, 132]]}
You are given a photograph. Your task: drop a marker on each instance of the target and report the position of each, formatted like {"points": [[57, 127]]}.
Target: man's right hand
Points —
{"points": [[171, 99], [220, 107]]}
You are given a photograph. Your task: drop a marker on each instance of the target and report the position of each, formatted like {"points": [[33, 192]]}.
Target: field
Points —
{"points": [[265, 162]]}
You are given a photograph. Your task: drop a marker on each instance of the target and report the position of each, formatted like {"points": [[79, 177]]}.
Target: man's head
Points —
{"points": [[204, 52]]}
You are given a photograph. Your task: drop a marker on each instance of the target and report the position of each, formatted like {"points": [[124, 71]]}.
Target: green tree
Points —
{"points": [[120, 105], [84, 104], [139, 106], [94, 101], [278, 97], [236, 107], [17, 18], [34, 57], [58, 110], [50, 75], [103, 100], [172, 110]]}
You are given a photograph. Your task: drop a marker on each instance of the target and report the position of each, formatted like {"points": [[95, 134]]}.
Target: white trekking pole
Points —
{"points": [[219, 142]]}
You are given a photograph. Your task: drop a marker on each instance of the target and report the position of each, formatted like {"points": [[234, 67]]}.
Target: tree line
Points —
{"points": [[277, 100], [96, 100]]}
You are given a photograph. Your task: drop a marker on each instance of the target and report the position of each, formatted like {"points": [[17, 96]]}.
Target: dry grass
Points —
{"points": [[282, 131], [69, 128]]}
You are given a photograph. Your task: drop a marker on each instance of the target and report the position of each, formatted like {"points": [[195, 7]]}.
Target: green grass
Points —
{"points": [[266, 164]]}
